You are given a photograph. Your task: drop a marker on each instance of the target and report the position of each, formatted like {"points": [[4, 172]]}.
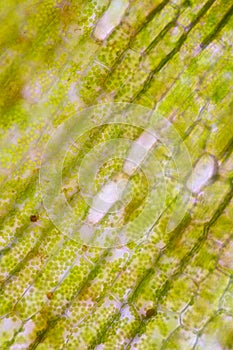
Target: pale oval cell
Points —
{"points": [[111, 18], [204, 170]]}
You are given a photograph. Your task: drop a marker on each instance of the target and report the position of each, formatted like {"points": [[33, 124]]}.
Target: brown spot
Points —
{"points": [[150, 313], [49, 295], [34, 218], [84, 248]]}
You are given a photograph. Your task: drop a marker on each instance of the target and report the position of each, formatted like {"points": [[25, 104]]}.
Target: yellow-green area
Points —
{"points": [[173, 290]]}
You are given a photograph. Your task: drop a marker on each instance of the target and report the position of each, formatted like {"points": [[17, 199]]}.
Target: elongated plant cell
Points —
{"points": [[116, 175]]}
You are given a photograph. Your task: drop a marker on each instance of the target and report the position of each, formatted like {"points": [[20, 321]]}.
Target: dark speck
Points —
{"points": [[150, 313], [49, 295], [34, 218]]}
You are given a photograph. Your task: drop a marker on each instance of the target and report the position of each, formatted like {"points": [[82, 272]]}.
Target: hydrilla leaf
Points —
{"points": [[166, 282]]}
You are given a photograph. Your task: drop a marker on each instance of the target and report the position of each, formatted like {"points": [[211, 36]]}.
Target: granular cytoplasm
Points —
{"points": [[124, 65]]}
